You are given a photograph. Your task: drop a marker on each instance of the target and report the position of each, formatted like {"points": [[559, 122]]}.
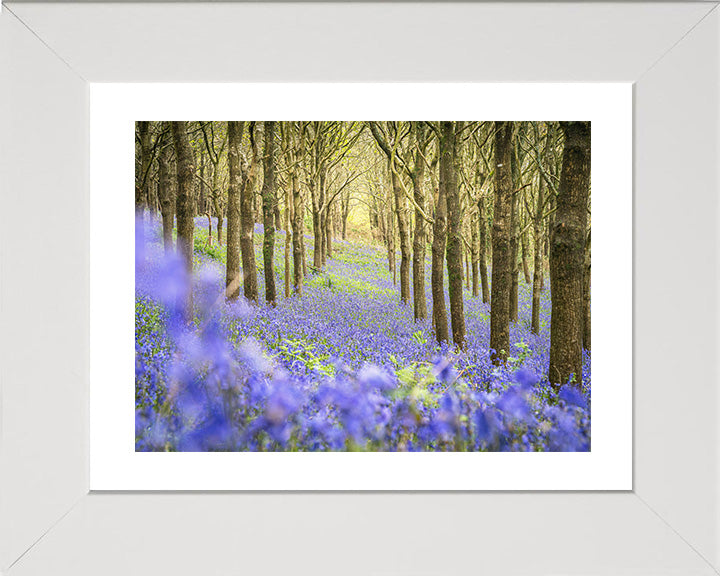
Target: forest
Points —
{"points": [[362, 286]]}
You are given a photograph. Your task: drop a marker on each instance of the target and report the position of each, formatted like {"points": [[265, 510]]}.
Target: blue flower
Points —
{"points": [[514, 404], [526, 378], [370, 376], [444, 370], [572, 396]]}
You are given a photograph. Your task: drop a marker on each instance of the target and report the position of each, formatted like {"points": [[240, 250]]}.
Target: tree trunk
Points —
{"points": [[567, 252], [537, 274], [277, 216], [514, 271], [437, 282], [317, 240], [328, 232], [475, 254], [141, 184], [247, 223], [345, 212], [141, 194], [298, 249], [391, 245], [167, 197], [501, 254], [317, 222], [185, 206], [297, 233], [468, 273], [232, 270], [288, 242], [419, 237], [449, 188], [538, 261], [400, 213], [586, 296], [202, 201], [539, 237], [524, 256], [304, 252], [268, 204], [483, 251], [322, 220]]}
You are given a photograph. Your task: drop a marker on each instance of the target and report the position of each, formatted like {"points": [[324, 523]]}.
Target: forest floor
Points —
{"points": [[345, 366]]}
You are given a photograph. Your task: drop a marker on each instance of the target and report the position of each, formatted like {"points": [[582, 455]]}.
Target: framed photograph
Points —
{"points": [[340, 363], [300, 159]]}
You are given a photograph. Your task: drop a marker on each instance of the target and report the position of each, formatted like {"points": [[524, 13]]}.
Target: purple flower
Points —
{"points": [[514, 404], [572, 397], [370, 376], [526, 378]]}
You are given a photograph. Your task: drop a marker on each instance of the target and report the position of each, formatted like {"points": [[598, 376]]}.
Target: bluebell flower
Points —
{"points": [[572, 396], [444, 370], [514, 404], [526, 378], [371, 376]]}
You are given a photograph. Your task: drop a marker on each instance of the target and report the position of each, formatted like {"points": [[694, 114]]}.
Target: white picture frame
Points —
{"points": [[50, 523]]}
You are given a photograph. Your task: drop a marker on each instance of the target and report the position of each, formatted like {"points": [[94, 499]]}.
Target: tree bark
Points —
{"points": [[345, 212], [400, 214], [322, 221], [141, 192], [302, 246], [586, 296], [328, 231], [185, 206], [288, 242], [268, 203], [524, 257], [514, 271], [165, 188], [141, 184], [538, 261], [317, 231], [475, 254], [298, 250], [217, 203], [501, 265], [567, 252], [391, 242], [449, 187], [232, 270], [247, 222], [202, 200], [297, 223], [483, 251], [437, 282], [468, 272], [539, 238], [419, 237]]}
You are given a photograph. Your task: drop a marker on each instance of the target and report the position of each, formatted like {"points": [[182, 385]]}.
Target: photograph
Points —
{"points": [[375, 286]]}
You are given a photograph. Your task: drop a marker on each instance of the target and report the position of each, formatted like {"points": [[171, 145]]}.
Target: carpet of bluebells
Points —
{"points": [[344, 367]]}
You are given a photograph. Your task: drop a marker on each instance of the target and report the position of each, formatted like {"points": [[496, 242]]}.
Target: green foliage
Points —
{"points": [[414, 382], [301, 351], [524, 353], [209, 247], [339, 284]]}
